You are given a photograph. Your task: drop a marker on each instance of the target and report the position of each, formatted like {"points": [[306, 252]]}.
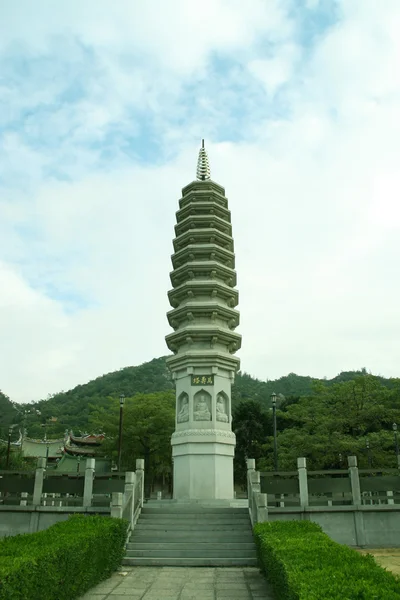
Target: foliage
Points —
{"points": [[324, 420], [249, 388], [148, 423], [352, 417], [7, 415], [16, 461], [252, 425], [62, 562], [73, 408], [303, 563]]}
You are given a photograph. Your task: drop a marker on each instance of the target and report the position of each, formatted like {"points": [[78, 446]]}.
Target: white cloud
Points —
{"points": [[276, 71], [310, 170]]}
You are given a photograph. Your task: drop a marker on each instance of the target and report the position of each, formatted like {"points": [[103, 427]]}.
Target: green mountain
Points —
{"points": [[73, 408]]}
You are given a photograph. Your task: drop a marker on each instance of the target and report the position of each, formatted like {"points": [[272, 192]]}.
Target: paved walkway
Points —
{"points": [[183, 583]]}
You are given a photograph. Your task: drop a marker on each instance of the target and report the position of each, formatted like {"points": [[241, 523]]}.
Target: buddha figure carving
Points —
{"points": [[202, 412], [183, 414], [221, 410]]}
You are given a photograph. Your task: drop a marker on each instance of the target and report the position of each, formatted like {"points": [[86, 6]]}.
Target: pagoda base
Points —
{"points": [[203, 468]]}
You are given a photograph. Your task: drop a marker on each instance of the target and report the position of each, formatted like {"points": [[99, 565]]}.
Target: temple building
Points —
{"points": [[204, 340], [68, 454]]}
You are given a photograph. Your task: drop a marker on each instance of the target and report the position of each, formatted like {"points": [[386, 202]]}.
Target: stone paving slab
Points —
{"points": [[183, 583]]}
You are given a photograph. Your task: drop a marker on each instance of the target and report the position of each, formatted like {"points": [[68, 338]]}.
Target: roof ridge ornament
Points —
{"points": [[203, 166]]}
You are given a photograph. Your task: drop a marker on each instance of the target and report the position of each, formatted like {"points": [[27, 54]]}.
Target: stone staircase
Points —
{"points": [[198, 535]]}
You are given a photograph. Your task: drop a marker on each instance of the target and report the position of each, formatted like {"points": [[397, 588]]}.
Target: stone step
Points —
{"points": [[190, 562], [191, 538], [151, 526], [197, 521], [191, 553], [202, 546], [194, 510], [225, 514], [192, 534]]}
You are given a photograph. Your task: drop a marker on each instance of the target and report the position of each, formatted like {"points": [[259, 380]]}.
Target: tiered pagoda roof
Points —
{"points": [[203, 277]]}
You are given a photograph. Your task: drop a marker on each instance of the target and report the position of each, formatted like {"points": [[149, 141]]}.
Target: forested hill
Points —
{"points": [[7, 414], [72, 408]]}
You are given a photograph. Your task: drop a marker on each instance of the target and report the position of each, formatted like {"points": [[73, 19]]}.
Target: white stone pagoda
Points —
{"points": [[204, 340]]}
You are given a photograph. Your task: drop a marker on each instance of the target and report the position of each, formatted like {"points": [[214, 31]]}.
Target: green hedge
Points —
{"points": [[303, 563], [62, 562]]}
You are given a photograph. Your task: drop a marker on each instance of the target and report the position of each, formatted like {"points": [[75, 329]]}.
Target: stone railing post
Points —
{"points": [[254, 490], [130, 480], [251, 466], [356, 493], [354, 480], [24, 499], [39, 477], [117, 505], [129, 490], [262, 507], [140, 473], [398, 461], [88, 485], [303, 482]]}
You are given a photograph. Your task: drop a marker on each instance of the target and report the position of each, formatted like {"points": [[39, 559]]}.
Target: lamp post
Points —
{"points": [[9, 446], [368, 453], [273, 400], [396, 441], [121, 411]]}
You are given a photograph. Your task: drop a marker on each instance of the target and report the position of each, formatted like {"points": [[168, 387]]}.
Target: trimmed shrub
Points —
{"points": [[303, 563], [62, 562]]}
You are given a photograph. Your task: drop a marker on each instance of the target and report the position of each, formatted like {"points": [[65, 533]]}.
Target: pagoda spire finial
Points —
{"points": [[203, 166]]}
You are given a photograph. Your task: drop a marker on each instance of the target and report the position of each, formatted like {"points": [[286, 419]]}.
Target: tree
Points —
{"points": [[348, 418], [251, 425], [148, 423]]}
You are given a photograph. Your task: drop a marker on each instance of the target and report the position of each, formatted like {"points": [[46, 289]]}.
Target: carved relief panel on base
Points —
{"points": [[202, 406], [183, 408], [222, 408]]}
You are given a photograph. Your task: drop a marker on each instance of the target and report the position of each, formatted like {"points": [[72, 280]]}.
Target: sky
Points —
{"points": [[103, 106]]}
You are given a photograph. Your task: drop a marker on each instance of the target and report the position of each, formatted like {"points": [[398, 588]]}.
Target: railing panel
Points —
{"points": [[281, 491], [63, 484], [379, 484], [329, 485], [16, 483], [329, 491], [279, 486], [105, 486], [380, 489], [101, 500]]}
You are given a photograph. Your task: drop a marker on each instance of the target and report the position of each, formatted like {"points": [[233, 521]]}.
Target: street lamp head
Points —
{"points": [[394, 426], [273, 399], [121, 400]]}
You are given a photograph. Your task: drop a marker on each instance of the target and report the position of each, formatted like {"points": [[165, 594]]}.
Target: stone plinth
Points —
{"points": [[203, 464]]}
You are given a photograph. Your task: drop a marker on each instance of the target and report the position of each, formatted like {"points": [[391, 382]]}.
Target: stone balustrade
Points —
{"points": [[357, 507], [31, 501]]}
